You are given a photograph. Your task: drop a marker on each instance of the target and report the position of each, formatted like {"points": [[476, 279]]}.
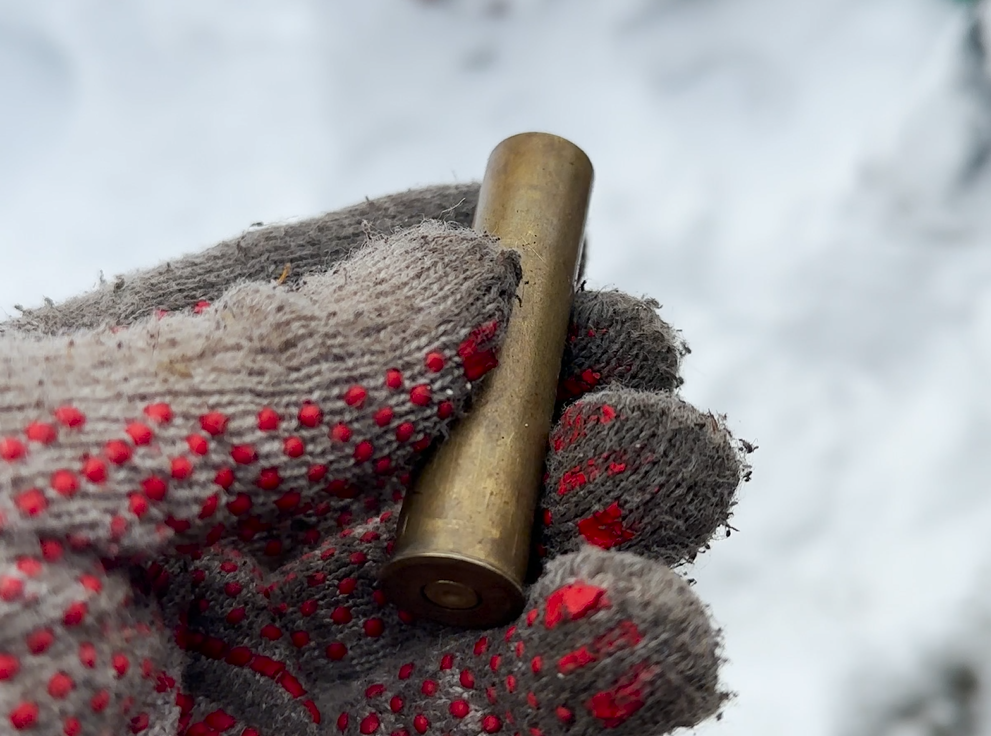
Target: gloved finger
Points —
{"points": [[266, 405], [609, 643], [79, 653], [291, 251], [617, 340], [639, 471]]}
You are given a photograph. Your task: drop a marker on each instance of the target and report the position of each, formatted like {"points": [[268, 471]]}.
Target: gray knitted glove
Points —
{"points": [[201, 465]]}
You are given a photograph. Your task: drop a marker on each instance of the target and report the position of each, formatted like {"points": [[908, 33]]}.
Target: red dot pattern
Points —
{"points": [[81, 698], [161, 455], [490, 685], [210, 427], [416, 698]]}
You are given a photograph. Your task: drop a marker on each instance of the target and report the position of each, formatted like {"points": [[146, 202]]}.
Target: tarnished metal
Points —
{"points": [[464, 531]]}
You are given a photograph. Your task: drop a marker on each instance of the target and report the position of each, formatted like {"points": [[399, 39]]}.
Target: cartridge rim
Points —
{"points": [[414, 580]]}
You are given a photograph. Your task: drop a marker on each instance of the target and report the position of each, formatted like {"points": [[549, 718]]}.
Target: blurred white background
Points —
{"points": [[803, 184]]}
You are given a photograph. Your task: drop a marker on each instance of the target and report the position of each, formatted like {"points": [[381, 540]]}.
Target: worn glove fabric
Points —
{"points": [[201, 466]]}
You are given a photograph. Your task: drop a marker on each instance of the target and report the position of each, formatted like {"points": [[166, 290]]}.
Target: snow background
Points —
{"points": [[801, 183]]}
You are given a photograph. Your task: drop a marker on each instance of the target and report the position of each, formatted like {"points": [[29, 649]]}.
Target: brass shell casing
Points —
{"points": [[463, 540]]}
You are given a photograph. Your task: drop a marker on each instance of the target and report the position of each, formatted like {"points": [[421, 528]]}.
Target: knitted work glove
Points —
{"points": [[201, 466]]}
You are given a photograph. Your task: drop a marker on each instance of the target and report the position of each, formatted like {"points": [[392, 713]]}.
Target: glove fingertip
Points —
{"points": [[618, 340]]}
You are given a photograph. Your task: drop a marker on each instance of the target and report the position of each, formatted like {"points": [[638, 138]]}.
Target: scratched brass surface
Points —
{"points": [[464, 531]]}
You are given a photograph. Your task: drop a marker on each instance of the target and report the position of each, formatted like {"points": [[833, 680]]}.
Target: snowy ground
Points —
{"points": [[800, 183]]}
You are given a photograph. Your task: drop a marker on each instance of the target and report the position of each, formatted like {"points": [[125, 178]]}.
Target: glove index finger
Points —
{"points": [[616, 340]]}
